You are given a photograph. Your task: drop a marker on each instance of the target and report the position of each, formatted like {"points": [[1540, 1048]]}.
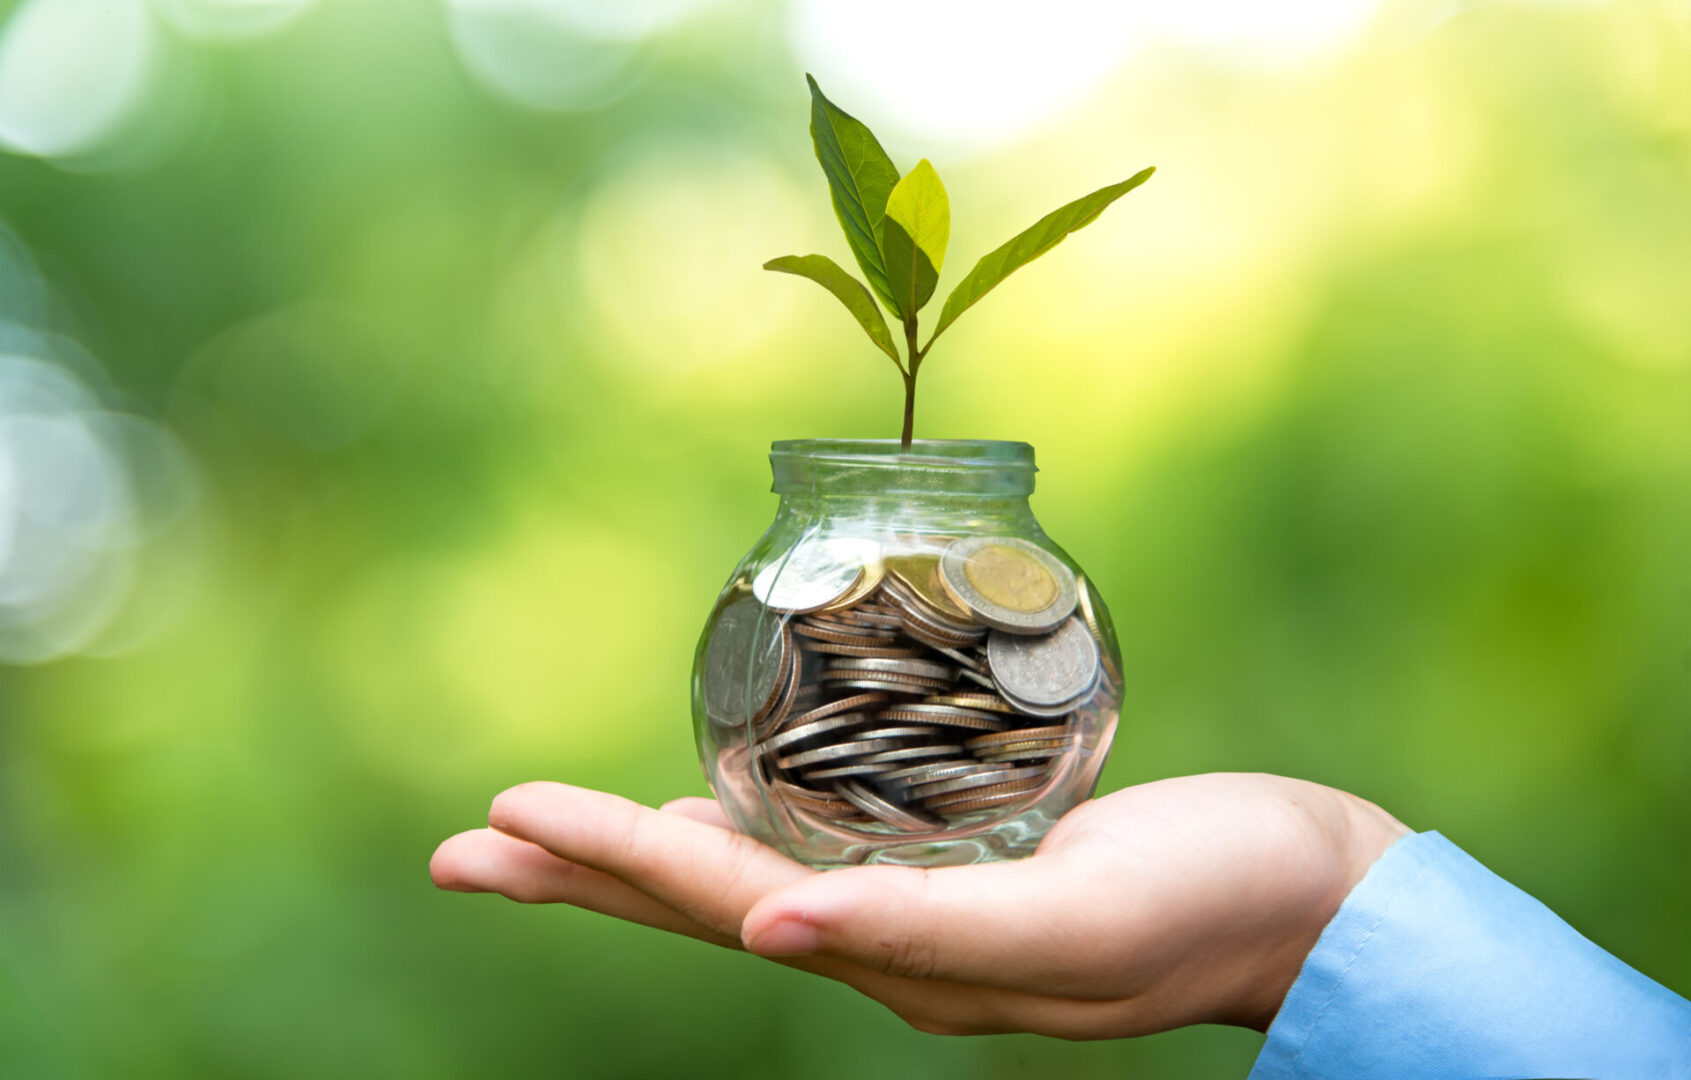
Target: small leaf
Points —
{"points": [[914, 234], [860, 177], [1045, 234], [829, 274], [909, 272], [920, 204]]}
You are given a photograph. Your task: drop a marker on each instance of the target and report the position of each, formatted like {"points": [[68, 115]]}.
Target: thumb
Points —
{"points": [[1016, 925]]}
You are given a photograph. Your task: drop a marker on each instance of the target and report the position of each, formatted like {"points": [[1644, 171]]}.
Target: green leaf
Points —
{"points": [[1029, 245], [909, 272], [860, 177], [914, 234], [831, 276]]}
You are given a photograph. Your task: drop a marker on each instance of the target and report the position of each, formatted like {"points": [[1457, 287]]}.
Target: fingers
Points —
{"points": [[1028, 926], [687, 874], [709, 874], [705, 811], [489, 861]]}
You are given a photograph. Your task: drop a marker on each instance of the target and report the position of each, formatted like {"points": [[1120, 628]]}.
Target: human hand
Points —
{"points": [[1183, 901]]}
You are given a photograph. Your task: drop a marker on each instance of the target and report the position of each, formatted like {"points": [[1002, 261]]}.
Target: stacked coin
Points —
{"points": [[907, 689]]}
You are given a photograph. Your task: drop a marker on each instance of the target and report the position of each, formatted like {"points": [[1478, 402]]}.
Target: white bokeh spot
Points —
{"points": [[231, 20], [72, 72]]}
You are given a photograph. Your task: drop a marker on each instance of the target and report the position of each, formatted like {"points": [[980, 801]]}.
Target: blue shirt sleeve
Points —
{"points": [[1436, 967]]}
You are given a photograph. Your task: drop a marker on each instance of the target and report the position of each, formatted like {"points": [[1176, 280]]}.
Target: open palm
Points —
{"points": [[1183, 901]]}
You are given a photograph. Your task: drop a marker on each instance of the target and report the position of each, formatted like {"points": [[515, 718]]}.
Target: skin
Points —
{"points": [[1184, 901]]}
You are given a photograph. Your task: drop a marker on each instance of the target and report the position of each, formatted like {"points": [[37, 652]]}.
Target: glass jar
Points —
{"points": [[905, 668]]}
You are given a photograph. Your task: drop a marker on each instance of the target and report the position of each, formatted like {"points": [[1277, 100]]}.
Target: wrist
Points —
{"points": [[1351, 833]]}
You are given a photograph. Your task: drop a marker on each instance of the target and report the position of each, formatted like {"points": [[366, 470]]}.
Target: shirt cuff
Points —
{"points": [[1436, 967]]}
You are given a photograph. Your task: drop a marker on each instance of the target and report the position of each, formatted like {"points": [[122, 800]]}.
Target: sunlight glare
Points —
{"points": [[955, 73]]}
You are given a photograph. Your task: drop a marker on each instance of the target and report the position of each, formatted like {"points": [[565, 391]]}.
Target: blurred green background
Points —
{"points": [[385, 393]]}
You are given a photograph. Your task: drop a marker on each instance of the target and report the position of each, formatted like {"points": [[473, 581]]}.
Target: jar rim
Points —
{"points": [[994, 454], [932, 468]]}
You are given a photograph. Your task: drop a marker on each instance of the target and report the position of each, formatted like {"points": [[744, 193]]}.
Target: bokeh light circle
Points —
{"points": [[71, 73], [958, 74], [539, 54], [974, 75], [564, 55], [1258, 34], [231, 20], [82, 491], [669, 252]]}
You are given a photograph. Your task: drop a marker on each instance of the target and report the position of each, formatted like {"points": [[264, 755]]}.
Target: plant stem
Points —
{"points": [[910, 383], [909, 413]]}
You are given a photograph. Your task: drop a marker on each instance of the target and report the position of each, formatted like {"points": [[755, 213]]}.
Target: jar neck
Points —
{"points": [[915, 513], [943, 483], [961, 468]]}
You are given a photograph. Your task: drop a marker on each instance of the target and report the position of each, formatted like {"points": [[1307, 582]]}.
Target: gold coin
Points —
{"points": [[887, 651], [873, 571], [1011, 578], [997, 740], [971, 699], [919, 571]]}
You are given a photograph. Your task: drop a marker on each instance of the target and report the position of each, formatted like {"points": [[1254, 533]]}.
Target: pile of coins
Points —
{"points": [[906, 687]]}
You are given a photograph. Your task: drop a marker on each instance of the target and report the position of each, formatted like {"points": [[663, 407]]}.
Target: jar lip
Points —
{"points": [[996, 455]]}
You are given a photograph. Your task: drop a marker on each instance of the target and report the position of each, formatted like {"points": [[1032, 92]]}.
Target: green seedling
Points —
{"points": [[898, 229]]}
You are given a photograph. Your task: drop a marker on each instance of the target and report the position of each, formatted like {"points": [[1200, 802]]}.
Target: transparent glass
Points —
{"points": [[904, 668]]}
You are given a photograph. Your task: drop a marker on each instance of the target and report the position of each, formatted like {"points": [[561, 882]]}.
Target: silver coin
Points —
{"points": [[787, 691], [836, 753], [800, 732], [1091, 615], [965, 661], [1009, 583], [974, 780], [855, 703], [785, 790], [897, 731], [1053, 712], [963, 802], [916, 632], [896, 678], [1043, 753], [843, 634], [885, 686], [932, 772], [926, 669], [856, 768], [744, 663], [814, 573], [863, 615], [911, 753], [944, 715], [942, 628], [973, 699], [877, 807], [823, 804], [1045, 671]]}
